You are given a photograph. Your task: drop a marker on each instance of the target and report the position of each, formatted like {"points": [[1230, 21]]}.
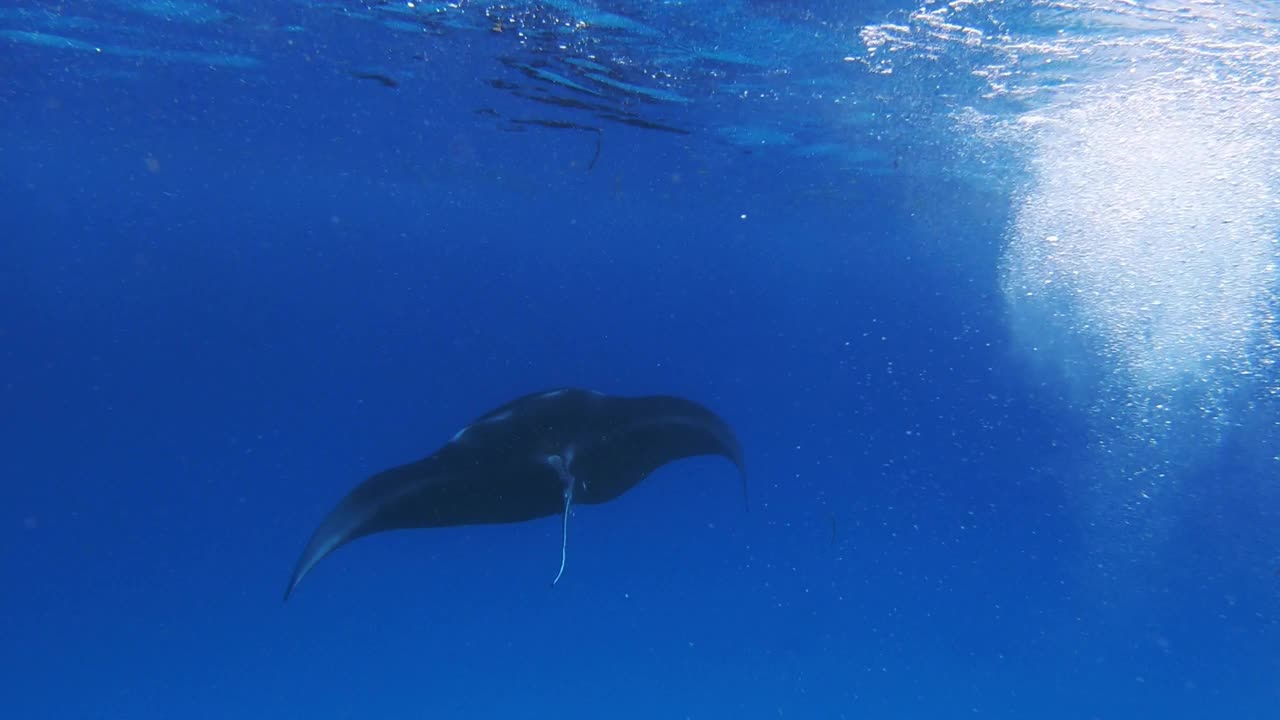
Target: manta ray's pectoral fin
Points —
{"points": [[561, 466]]}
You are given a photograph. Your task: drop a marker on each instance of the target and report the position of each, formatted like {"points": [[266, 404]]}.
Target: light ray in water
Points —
{"points": [[1142, 150], [1141, 266]]}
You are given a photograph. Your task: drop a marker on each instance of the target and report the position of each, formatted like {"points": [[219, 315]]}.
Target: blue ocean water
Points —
{"points": [[987, 290]]}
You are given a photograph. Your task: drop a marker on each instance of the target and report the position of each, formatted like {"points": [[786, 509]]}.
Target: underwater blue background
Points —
{"points": [[228, 295]]}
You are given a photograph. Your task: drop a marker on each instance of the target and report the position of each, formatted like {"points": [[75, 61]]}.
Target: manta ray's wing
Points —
{"points": [[402, 497], [640, 435], [455, 486]]}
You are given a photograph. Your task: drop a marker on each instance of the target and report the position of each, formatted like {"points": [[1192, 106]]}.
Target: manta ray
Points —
{"points": [[533, 457]]}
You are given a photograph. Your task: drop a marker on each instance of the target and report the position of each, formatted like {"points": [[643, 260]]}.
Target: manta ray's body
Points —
{"points": [[530, 458]]}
